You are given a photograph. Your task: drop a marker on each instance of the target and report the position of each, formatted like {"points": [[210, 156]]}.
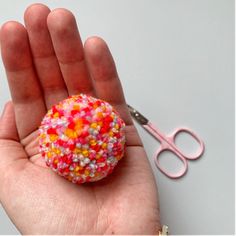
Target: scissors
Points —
{"points": [[168, 143]]}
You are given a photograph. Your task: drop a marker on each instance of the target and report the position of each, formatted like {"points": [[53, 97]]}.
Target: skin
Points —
{"points": [[45, 61]]}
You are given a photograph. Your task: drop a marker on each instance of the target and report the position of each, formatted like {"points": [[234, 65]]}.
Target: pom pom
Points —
{"points": [[82, 138]]}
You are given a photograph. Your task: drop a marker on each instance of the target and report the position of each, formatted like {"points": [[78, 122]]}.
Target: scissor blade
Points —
{"points": [[137, 116]]}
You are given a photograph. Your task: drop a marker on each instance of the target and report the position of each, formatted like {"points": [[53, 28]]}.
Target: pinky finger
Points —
{"points": [[104, 75]]}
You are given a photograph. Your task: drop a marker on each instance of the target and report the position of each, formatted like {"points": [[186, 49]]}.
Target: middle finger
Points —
{"points": [[44, 57]]}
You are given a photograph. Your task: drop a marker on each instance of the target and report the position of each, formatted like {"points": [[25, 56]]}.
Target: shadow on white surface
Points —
{"points": [[6, 226]]}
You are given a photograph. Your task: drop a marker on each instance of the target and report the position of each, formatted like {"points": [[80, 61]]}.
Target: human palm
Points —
{"points": [[45, 62]]}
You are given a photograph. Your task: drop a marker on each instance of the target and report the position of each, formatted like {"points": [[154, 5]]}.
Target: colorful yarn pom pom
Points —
{"points": [[82, 138]]}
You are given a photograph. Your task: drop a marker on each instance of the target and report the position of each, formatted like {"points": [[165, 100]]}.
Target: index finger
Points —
{"points": [[23, 82]]}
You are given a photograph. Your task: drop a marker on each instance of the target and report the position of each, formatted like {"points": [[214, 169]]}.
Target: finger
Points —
{"points": [[8, 129], [44, 57], [103, 72], [69, 51], [25, 90], [10, 148]]}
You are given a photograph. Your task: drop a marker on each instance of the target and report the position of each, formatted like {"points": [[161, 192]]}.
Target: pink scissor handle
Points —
{"points": [[200, 149], [168, 144], [181, 172]]}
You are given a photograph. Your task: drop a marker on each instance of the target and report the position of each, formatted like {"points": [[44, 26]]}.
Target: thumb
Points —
{"points": [[10, 147], [8, 130]]}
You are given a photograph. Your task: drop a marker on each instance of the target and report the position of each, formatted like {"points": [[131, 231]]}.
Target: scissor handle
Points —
{"points": [[168, 144], [181, 172], [200, 149]]}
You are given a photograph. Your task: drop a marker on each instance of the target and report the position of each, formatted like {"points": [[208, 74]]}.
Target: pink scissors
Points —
{"points": [[168, 144]]}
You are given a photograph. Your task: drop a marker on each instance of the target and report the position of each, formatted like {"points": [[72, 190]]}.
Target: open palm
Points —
{"points": [[45, 62]]}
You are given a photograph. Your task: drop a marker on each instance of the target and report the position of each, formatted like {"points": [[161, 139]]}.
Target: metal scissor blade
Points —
{"points": [[137, 116]]}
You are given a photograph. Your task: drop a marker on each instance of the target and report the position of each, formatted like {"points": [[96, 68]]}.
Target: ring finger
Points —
{"points": [[69, 51]]}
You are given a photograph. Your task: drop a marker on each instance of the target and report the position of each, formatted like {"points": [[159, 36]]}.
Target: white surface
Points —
{"points": [[175, 60]]}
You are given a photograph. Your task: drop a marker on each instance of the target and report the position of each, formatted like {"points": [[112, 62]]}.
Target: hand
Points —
{"points": [[45, 61]]}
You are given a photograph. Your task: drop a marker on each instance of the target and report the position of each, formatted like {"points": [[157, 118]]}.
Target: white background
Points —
{"points": [[176, 63]]}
